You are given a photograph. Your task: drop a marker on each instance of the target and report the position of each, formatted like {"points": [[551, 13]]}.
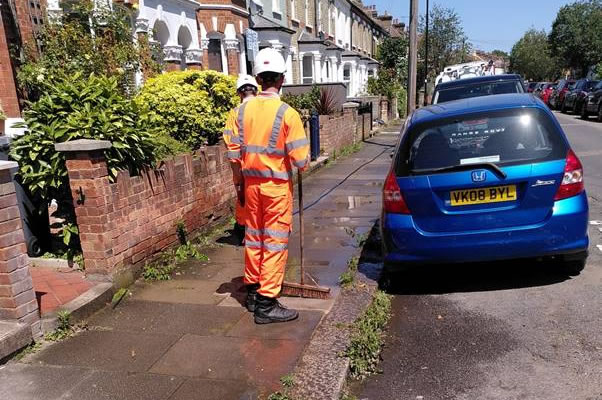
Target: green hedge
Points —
{"points": [[191, 106]]}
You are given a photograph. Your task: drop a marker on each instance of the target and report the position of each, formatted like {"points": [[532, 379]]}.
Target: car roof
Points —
{"points": [[475, 105], [478, 79]]}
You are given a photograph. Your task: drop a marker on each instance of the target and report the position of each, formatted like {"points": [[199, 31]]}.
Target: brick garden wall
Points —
{"points": [[130, 220]]}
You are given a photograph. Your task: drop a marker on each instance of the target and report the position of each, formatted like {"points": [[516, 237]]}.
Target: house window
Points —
{"points": [[308, 69], [347, 78], [215, 55]]}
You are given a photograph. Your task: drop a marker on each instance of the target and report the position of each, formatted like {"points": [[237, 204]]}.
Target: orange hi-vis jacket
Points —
{"points": [[277, 142]]}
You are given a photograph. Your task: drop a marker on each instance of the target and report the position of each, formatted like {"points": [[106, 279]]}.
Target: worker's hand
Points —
{"points": [[240, 193]]}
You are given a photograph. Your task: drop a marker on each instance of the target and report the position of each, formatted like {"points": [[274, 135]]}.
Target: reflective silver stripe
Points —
{"points": [[269, 232], [249, 243], [300, 164], [277, 125], [252, 231], [241, 119], [277, 234], [296, 144], [233, 154], [251, 149], [275, 247], [235, 139], [267, 173], [227, 132]]}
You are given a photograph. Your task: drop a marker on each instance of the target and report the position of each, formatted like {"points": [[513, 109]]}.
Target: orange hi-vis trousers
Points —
{"points": [[239, 214], [269, 214]]}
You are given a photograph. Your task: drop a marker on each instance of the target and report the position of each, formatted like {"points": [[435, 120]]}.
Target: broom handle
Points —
{"points": [[301, 231]]}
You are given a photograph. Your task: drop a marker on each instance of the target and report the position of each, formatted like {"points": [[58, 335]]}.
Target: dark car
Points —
{"points": [[531, 86], [573, 101], [474, 181], [538, 88], [557, 97], [476, 87], [593, 103]]}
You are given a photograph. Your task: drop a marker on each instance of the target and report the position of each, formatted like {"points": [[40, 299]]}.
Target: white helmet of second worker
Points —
{"points": [[244, 80], [269, 60]]}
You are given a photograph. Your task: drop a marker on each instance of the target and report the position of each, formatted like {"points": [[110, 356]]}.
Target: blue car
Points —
{"points": [[489, 178]]}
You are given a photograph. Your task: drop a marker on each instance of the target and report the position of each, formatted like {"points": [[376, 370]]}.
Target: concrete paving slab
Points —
{"points": [[130, 315], [112, 351], [31, 382], [103, 385], [13, 336], [210, 389], [180, 291], [202, 320], [260, 361], [300, 329]]}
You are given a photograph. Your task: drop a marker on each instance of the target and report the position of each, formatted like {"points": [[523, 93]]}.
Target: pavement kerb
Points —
{"points": [[81, 307]]}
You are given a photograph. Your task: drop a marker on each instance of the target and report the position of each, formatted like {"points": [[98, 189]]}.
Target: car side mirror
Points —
{"points": [[391, 153]]}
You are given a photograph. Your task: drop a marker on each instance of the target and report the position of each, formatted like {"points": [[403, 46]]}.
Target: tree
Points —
{"points": [[531, 57], [576, 37], [448, 43], [392, 77], [500, 53]]}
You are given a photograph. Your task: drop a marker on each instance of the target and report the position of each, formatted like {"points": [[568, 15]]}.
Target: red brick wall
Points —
{"points": [[17, 297], [338, 131], [8, 89], [233, 62], [130, 220]]}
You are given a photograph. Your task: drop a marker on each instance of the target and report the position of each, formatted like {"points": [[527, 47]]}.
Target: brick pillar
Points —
{"points": [[92, 200], [350, 112], [384, 110], [172, 65], [17, 296], [8, 88], [233, 62]]}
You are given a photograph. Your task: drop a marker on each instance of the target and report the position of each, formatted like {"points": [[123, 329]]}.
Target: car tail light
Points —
{"points": [[572, 182], [392, 198]]}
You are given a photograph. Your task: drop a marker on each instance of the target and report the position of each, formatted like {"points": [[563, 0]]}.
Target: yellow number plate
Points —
{"points": [[493, 194]]}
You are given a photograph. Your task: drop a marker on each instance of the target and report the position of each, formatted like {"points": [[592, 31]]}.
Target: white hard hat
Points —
{"points": [[269, 60], [245, 80]]}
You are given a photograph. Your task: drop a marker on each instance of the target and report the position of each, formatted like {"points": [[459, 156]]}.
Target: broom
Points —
{"points": [[301, 289]]}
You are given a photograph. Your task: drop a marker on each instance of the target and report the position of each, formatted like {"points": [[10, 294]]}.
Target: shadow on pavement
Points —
{"points": [[231, 238], [236, 289]]}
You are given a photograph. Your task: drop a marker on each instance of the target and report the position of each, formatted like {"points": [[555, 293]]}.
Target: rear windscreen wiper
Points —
{"points": [[486, 165]]}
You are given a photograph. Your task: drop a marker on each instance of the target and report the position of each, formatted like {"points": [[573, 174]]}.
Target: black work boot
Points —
{"points": [[269, 310], [252, 296]]}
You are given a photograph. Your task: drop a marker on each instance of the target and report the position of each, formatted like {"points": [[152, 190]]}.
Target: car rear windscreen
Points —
{"points": [[518, 136], [477, 90]]}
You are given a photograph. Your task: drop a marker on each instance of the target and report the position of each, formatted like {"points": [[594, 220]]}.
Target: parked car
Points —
{"points": [[480, 181], [557, 97], [573, 100], [538, 88], [476, 87], [593, 103], [546, 92], [531, 86]]}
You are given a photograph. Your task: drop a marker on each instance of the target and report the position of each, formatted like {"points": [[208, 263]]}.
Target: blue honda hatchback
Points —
{"points": [[489, 178]]}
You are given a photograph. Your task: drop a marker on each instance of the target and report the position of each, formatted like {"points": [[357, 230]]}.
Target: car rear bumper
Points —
{"points": [[564, 233]]}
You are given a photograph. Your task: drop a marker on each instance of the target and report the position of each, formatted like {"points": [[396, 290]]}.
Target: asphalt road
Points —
{"points": [[509, 330]]}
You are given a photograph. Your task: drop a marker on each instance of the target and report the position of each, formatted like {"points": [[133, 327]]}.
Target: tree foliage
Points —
{"points": [[392, 77], [576, 37], [86, 41], [191, 106], [531, 57], [448, 44]]}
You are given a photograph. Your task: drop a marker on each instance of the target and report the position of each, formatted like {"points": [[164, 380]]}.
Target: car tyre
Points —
{"points": [[583, 113], [600, 113], [576, 109], [573, 267], [563, 108]]}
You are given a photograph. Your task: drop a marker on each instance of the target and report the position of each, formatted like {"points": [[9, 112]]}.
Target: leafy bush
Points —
{"points": [[77, 108], [191, 106], [88, 40], [319, 100]]}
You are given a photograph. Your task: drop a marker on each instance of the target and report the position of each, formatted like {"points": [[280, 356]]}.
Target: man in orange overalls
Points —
{"points": [[268, 140], [246, 88]]}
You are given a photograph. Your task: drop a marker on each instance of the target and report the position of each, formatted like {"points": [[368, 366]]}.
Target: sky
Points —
{"points": [[489, 24]]}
